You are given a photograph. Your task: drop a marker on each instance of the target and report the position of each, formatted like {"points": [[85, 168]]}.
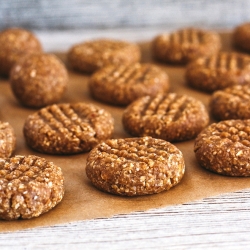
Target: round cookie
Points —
{"points": [[219, 71], [38, 80], [241, 37], [224, 147], [185, 45], [14, 44], [67, 128], [135, 166], [172, 117], [122, 84], [231, 103], [30, 186], [7, 140], [92, 55]]}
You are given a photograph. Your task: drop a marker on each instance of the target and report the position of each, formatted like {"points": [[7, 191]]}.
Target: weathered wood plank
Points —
{"points": [[56, 14], [214, 223]]}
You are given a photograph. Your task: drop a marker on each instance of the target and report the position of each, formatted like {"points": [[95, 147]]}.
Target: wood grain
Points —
{"points": [[75, 14], [221, 222]]}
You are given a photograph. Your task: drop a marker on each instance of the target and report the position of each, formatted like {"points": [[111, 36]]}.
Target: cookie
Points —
{"points": [[7, 140], [38, 80], [219, 71], [224, 147], [172, 117], [135, 166], [231, 103], [29, 187], [241, 37], [14, 44], [92, 55], [122, 84], [185, 45], [67, 128]]}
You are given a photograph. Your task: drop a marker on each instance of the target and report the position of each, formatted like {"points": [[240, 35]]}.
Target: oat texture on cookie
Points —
{"points": [[241, 37], [231, 103], [135, 166], [29, 187], [38, 80], [14, 44], [7, 140], [185, 45], [172, 117], [67, 128], [219, 71], [224, 147], [121, 84], [92, 55]]}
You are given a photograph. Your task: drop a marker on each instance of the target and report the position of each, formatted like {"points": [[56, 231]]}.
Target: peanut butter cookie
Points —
{"points": [[67, 128], [135, 166], [171, 117], [185, 45], [122, 84], [38, 80], [241, 37], [224, 147], [14, 44], [92, 55], [7, 140], [219, 71], [231, 103], [29, 187]]}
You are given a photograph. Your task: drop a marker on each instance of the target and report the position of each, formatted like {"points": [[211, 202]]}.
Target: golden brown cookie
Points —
{"points": [[172, 117], [38, 80], [241, 37], [30, 186], [224, 147], [219, 71], [92, 55], [14, 44], [7, 140], [231, 103], [67, 128], [135, 166], [122, 84], [185, 45]]}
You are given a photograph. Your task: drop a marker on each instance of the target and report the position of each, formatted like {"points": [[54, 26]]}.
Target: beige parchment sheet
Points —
{"points": [[82, 201]]}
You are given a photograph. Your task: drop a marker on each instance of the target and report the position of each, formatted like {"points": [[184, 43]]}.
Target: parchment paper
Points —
{"points": [[82, 201]]}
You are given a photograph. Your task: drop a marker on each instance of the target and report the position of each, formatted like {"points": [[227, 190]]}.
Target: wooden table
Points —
{"points": [[212, 223]]}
